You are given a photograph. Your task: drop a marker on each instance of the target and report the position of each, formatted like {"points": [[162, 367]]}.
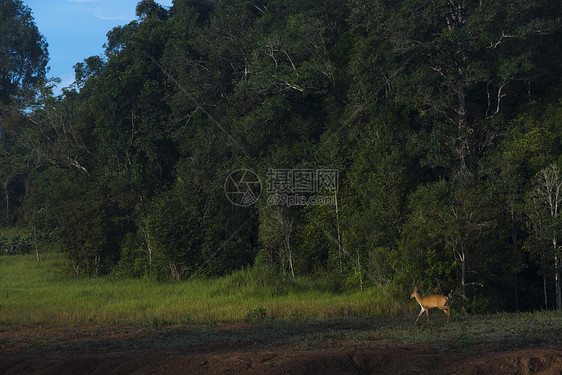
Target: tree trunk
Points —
{"points": [[463, 282], [557, 282], [544, 283], [34, 235], [516, 290], [462, 258], [174, 270], [360, 271], [291, 268], [76, 268], [146, 237], [544, 290], [290, 256], [7, 195], [97, 263], [340, 251], [514, 242]]}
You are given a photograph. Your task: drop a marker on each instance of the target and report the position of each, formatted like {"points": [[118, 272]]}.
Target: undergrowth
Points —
{"points": [[47, 293]]}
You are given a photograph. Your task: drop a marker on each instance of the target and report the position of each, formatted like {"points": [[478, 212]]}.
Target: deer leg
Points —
{"points": [[447, 312], [421, 312]]}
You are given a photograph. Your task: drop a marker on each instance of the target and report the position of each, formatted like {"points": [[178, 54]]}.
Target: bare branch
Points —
{"points": [[501, 40], [291, 61], [498, 103]]}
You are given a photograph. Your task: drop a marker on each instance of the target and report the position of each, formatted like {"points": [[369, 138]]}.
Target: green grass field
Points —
{"points": [[48, 294]]}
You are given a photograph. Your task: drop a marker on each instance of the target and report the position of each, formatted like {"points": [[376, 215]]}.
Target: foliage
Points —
{"points": [[256, 315], [14, 244], [24, 56], [175, 233]]}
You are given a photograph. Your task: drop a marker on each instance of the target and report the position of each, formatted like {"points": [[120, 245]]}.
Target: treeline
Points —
{"points": [[442, 119]]}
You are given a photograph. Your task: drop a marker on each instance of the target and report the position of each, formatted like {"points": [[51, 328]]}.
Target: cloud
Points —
{"points": [[99, 14]]}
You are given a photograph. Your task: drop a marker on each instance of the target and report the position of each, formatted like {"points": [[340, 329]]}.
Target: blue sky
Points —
{"points": [[76, 29]]}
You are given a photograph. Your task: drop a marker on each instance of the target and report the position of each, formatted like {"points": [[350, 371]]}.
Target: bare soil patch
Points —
{"points": [[235, 348]]}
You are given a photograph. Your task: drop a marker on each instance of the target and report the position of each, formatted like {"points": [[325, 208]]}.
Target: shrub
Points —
{"points": [[256, 315], [259, 280], [15, 244]]}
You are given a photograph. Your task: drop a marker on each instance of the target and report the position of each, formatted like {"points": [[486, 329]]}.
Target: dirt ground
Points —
{"points": [[252, 349]]}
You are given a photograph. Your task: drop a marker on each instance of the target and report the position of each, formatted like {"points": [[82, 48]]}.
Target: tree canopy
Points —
{"points": [[23, 50]]}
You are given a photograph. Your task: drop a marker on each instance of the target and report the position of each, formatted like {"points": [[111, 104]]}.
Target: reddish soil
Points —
{"points": [[246, 349]]}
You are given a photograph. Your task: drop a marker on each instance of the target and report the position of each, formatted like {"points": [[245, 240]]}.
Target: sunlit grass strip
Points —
{"points": [[32, 293]]}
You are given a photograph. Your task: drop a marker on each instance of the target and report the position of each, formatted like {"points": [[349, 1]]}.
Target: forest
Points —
{"points": [[361, 142]]}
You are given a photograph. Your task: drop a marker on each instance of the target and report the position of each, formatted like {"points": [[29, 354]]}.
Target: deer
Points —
{"points": [[429, 302]]}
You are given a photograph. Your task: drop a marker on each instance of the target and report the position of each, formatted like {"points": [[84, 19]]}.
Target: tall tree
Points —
{"points": [[454, 222], [150, 8], [544, 212], [23, 61], [460, 63], [531, 141], [23, 50], [276, 233]]}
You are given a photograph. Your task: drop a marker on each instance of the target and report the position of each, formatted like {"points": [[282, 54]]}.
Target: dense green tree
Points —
{"points": [[530, 143], [319, 239], [545, 222], [13, 167], [175, 235], [23, 50], [23, 64], [424, 260], [149, 8], [442, 242], [55, 136], [380, 175], [90, 67], [459, 63], [277, 231]]}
